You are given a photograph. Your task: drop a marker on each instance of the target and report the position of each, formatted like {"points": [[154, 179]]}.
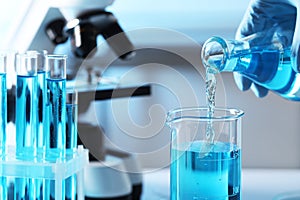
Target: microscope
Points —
{"points": [[71, 27]]}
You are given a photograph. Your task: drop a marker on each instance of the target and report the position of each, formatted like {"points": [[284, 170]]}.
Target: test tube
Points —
{"points": [[3, 102], [71, 122], [42, 114], [11, 82], [42, 119], [71, 140], [26, 105], [56, 84], [3, 120], [26, 118]]}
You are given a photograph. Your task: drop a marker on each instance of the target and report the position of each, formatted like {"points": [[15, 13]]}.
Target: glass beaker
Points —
{"points": [[202, 168]]}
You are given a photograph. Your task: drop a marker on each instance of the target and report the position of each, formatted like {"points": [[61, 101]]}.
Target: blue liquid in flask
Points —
{"points": [[269, 67], [213, 176]]}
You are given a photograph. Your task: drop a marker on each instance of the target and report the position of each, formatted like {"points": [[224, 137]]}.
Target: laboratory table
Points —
{"points": [[257, 184], [111, 90]]}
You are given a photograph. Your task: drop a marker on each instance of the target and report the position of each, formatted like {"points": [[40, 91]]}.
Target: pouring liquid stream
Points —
{"points": [[211, 83]]}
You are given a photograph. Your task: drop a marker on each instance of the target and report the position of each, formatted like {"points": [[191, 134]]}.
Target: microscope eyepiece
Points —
{"points": [[83, 38], [55, 32], [78, 37], [84, 31]]}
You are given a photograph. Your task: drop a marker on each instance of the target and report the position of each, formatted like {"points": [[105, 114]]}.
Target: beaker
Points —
{"points": [[203, 167]]}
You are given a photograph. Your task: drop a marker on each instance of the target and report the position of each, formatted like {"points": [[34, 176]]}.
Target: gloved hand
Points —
{"points": [[263, 15]]}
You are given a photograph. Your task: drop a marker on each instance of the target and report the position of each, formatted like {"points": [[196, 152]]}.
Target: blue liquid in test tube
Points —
{"points": [[71, 140], [3, 103], [3, 120], [42, 114], [56, 139], [26, 115], [26, 119], [42, 121], [57, 107], [71, 120]]}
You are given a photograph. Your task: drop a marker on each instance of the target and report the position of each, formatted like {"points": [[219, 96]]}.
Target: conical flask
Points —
{"points": [[264, 58]]}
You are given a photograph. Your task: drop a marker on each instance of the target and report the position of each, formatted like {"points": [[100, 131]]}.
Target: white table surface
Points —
{"points": [[257, 184]]}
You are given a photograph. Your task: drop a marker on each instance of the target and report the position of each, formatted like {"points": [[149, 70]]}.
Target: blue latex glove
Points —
{"points": [[262, 15]]}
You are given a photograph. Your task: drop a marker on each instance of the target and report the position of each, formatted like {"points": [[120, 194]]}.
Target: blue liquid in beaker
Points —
{"points": [[215, 175]]}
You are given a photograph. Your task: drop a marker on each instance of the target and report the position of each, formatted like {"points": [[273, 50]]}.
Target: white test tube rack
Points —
{"points": [[74, 163]]}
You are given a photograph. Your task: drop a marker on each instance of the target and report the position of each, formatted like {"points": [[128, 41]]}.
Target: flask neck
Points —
{"points": [[214, 53]]}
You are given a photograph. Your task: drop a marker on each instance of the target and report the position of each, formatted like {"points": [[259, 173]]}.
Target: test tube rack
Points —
{"points": [[73, 163]]}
